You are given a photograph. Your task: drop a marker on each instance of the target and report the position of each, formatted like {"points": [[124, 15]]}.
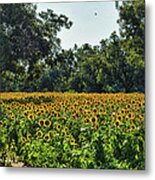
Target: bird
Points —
{"points": [[95, 13]]}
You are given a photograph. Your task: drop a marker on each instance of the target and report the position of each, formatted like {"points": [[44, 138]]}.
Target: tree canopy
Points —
{"points": [[32, 59]]}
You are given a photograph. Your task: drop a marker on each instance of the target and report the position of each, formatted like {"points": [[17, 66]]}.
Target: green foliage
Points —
{"points": [[28, 41], [32, 58], [67, 140]]}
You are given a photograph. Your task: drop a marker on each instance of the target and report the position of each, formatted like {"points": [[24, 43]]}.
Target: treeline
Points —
{"points": [[31, 57]]}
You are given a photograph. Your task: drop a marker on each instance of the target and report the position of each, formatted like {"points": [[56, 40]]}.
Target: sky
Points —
{"points": [[92, 21]]}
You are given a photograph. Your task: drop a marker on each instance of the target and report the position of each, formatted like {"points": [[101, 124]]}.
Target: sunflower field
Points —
{"points": [[72, 130]]}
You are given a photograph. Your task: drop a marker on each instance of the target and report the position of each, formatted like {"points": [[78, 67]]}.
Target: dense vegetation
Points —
{"points": [[31, 57], [101, 127], [80, 130]]}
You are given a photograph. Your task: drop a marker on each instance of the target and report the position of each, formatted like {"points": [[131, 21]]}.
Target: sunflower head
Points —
{"points": [[94, 119], [1, 123], [54, 113], [73, 142], [82, 138], [140, 117], [47, 137], [39, 113], [87, 120], [42, 111], [74, 116], [64, 133], [41, 122], [95, 110], [133, 101], [30, 116], [23, 140], [96, 126], [29, 136], [9, 108], [133, 126], [131, 116], [122, 111], [117, 123], [39, 134], [111, 107], [119, 117], [113, 115], [47, 123], [12, 117], [58, 127], [128, 106], [139, 104]]}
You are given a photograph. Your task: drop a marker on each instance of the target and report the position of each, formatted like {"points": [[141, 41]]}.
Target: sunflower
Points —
{"points": [[66, 129], [82, 138], [30, 116], [133, 102], [94, 119], [42, 111], [54, 113], [133, 126], [29, 108], [122, 111], [9, 108], [88, 112], [80, 109], [140, 117], [131, 116], [12, 117], [119, 118], [64, 133], [113, 115], [87, 120], [39, 134], [139, 104], [44, 106], [47, 137], [41, 122], [111, 107], [29, 136], [23, 140], [73, 142], [128, 106], [39, 113], [74, 116], [126, 118], [102, 111], [95, 110], [47, 123], [58, 127], [96, 126], [117, 123], [1, 123]]}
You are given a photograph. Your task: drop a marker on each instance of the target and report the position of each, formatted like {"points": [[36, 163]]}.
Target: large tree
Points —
{"points": [[27, 41], [132, 34]]}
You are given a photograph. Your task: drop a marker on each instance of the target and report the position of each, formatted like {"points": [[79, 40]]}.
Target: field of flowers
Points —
{"points": [[64, 130]]}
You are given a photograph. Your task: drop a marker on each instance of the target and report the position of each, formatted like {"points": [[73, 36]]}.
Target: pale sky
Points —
{"points": [[92, 21]]}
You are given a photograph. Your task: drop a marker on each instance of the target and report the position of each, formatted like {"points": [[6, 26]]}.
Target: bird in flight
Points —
{"points": [[95, 13]]}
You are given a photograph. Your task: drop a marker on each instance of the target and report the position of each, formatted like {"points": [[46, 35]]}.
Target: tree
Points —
{"points": [[27, 39], [112, 55], [56, 77], [31, 57], [132, 34]]}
